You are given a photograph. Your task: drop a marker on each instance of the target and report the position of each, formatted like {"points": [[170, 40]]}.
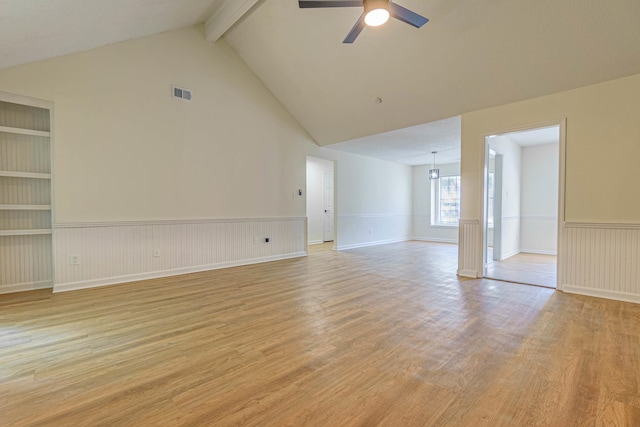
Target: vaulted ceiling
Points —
{"points": [[35, 30], [471, 55]]}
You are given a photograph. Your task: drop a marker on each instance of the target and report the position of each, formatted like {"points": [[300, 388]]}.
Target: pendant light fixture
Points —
{"points": [[434, 173]]}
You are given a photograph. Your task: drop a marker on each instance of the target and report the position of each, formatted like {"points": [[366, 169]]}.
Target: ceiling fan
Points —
{"points": [[376, 12]]}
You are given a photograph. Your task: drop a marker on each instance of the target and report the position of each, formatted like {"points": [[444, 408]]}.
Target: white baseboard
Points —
{"points": [[468, 273], [367, 244], [435, 239], [64, 287], [510, 254], [536, 251], [22, 287], [601, 293], [315, 242]]}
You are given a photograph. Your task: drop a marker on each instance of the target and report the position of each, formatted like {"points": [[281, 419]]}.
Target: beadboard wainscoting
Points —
{"points": [[98, 254], [602, 260], [25, 262], [470, 244], [357, 231]]}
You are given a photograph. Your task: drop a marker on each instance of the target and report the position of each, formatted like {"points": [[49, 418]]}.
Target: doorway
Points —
{"points": [[320, 202], [521, 206]]}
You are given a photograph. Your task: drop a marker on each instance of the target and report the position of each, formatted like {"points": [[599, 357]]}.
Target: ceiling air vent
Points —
{"points": [[181, 93]]}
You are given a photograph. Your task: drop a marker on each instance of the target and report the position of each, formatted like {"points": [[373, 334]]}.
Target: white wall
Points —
{"points": [[422, 197], [126, 150], [510, 235], [539, 204], [316, 168], [373, 200], [131, 163]]}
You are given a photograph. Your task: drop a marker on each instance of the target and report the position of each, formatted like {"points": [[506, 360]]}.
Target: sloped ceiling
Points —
{"points": [[32, 30], [471, 55]]}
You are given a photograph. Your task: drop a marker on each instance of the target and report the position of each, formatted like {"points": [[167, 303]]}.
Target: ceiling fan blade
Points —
{"points": [[328, 3], [407, 16], [355, 31]]}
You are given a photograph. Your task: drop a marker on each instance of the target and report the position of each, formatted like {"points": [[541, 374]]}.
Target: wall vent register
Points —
{"points": [[182, 93]]}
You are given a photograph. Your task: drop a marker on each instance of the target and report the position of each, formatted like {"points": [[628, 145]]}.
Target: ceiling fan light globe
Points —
{"points": [[376, 17]]}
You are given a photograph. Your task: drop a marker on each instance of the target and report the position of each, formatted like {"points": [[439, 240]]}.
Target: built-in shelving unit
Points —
{"points": [[26, 260], [32, 232], [12, 174], [20, 131], [25, 207]]}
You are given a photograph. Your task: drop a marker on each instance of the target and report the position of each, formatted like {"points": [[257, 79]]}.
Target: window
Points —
{"points": [[446, 203]]}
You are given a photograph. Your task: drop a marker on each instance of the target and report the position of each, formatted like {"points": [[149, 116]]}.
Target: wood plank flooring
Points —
{"points": [[385, 335], [532, 269]]}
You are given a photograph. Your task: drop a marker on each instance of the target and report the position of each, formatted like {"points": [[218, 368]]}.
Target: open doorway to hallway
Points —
{"points": [[320, 204], [521, 206]]}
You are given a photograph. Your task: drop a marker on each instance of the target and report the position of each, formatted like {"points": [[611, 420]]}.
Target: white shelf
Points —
{"points": [[25, 207], [24, 232], [12, 174], [21, 131]]}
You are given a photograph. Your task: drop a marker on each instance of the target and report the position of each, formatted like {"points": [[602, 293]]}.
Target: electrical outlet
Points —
{"points": [[156, 253], [74, 259]]}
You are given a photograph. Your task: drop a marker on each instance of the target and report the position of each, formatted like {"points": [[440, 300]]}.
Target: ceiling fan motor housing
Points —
{"points": [[370, 5]]}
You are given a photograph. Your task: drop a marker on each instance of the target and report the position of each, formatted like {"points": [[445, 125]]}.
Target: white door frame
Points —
{"points": [[335, 200], [328, 219], [561, 192]]}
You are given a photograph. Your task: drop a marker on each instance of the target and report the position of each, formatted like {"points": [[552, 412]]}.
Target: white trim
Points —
{"points": [[562, 173], [367, 244], [225, 17], [468, 273], [26, 100], [603, 225], [393, 215], [28, 232], [21, 131], [562, 147], [600, 293], [170, 222], [65, 287], [25, 207], [435, 239], [539, 252], [510, 254], [13, 174], [21, 287], [315, 242]]}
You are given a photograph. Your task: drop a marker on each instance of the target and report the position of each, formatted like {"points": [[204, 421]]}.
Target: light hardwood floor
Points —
{"points": [[532, 269], [384, 335]]}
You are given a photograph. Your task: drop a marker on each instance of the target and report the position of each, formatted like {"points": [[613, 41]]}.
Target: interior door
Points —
{"points": [[327, 194]]}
